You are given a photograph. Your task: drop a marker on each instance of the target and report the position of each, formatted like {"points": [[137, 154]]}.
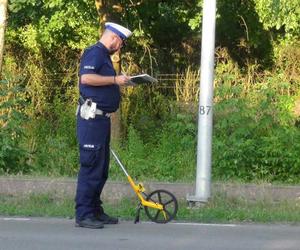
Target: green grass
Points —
{"points": [[220, 209], [233, 210]]}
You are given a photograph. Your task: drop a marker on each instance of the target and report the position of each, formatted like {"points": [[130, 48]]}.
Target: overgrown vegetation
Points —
{"points": [[257, 96]]}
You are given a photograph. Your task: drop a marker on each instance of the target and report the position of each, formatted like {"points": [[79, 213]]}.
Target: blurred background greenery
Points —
{"points": [[256, 101]]}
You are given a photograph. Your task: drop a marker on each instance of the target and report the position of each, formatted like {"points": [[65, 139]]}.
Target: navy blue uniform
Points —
{"points": [[94, 134]]}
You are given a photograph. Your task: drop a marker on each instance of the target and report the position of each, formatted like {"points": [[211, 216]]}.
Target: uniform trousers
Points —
{"points": [[94, 152]]}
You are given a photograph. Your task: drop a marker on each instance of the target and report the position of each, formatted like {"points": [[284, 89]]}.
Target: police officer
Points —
{"points": [[100, 93]]}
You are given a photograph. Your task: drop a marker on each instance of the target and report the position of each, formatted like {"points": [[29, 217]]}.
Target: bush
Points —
{"points": [[173, 156], [13, 157], [54, 145], [255, 136], [168, 156]]}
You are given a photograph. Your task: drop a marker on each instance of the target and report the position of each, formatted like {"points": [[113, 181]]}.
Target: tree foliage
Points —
{"points": [[280, 15], [166, 33], [50, 24], [41, 26]]}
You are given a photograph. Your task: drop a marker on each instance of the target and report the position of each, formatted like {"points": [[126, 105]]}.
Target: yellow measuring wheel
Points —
{"points": [[160, 205]]}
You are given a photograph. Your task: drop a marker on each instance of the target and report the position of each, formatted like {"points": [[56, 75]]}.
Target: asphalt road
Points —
{"points": [[53, 233]]}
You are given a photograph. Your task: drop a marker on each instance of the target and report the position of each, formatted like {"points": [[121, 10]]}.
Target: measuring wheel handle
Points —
{"points": [[169, 203]]}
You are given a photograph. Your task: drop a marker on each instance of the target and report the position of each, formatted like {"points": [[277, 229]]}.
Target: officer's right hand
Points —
{"points": [[122, 79]]}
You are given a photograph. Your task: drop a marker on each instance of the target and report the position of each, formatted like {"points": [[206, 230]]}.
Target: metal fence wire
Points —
{"points": [[165, 81]]}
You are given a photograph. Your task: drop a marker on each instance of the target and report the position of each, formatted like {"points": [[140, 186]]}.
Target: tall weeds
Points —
{"points": [[187, 86]]}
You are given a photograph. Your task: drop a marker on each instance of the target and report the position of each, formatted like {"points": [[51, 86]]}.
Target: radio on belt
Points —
{"points": [[88, 109]]}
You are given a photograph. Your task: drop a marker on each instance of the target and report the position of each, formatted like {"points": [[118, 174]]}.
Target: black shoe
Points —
{"points": [[89, 223], [106, 219]]}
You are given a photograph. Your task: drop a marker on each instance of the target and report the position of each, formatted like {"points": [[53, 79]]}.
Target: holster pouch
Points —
{"points": [[88, 109]]}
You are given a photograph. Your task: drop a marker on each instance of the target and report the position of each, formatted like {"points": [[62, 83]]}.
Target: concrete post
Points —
{"points": [[205, 114]]}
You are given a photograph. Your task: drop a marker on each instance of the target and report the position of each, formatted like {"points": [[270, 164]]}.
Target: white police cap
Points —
{"points": [[121, 31]]}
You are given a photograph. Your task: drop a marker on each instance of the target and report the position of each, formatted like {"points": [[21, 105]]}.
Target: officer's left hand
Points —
{"points": [[122, 79]]}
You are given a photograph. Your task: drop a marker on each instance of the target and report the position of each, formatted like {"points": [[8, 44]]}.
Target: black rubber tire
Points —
{"points": [[170, 206]]}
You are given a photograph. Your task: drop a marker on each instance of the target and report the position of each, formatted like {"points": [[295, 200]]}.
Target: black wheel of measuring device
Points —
{"points": [[170, 206]]}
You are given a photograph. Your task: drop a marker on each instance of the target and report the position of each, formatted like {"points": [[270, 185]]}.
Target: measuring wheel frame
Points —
{"points": [[161, 206]]}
